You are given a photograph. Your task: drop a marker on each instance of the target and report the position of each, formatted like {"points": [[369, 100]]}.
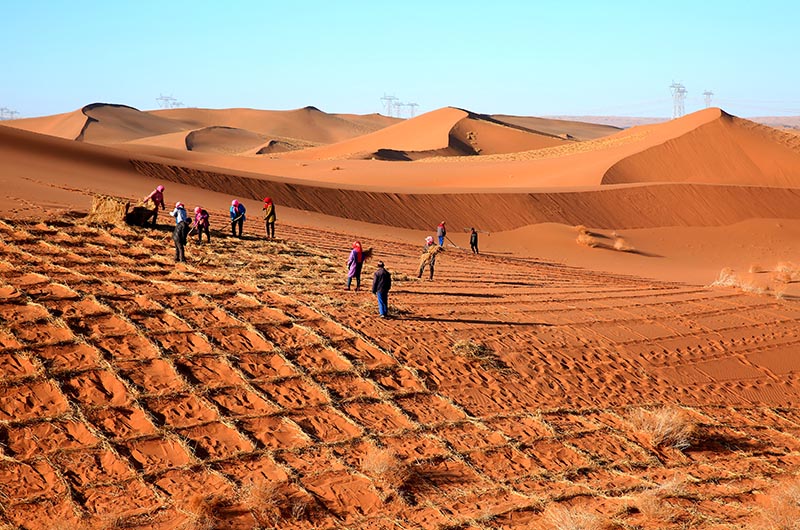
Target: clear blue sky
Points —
{"points": [[490, 56]]}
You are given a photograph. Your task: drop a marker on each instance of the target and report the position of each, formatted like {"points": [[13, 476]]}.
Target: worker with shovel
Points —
{"points": [[201, 224], [157, 196], [269, 217], [237, 216]]}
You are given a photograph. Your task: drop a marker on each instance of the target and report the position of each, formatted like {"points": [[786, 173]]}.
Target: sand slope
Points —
{"points": [[577, 130], [309, 123], [447, 131], [248, 390], [68, 125], [94, 168], [218, 139], [725, 150], [101, 123]]}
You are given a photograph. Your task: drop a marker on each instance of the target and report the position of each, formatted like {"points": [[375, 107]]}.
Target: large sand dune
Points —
{"points": [[724, 150], [744, 170], [578, 130], [101, 123], [309, 123], [447, 131]]}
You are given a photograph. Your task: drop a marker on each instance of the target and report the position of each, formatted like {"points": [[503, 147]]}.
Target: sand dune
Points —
{"points": [[475, 195], [725, 150], [101, 123], [578, 130], [444, 132], [68, 125], [779, 122], [104, 123], [309, 123], [110, 124], [223, 140]]}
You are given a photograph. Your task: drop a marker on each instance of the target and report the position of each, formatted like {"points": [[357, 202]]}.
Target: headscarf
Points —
{"points": [[267, 200], [429, 240], [359, 253]]}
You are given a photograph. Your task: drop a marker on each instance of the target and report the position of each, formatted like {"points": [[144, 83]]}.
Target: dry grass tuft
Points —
{"points": [[787, 266], [272, 503], [782, 511], [622, 245], [653, 503], [587, 241], [729, 278], [665, 427], [581, 229], [386, 469], [787, 272], [107, 210], [561, 518], [755, 268], [481, 353], [204, 511]]}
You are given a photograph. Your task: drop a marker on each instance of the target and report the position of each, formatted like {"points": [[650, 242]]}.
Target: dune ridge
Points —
{"points": [[223, 139], [569, 129], [629, 206], [309, 123], [444, 132], [724, 150], [640, 206]]}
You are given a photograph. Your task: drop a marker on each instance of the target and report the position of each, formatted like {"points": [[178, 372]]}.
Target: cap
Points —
{"points": [[160, 188], [234, 202], [178, 205], [429, 239], [380, 264]]}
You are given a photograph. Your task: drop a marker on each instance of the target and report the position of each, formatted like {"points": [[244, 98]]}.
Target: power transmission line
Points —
{"points": [[168, 102], [678, 97], [8, 114], [394, 107], [707, 97]]}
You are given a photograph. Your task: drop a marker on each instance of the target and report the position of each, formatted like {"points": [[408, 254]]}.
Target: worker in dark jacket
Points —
{"points": [[237, 216], [181, 231], [473, 241], [381, 283]]}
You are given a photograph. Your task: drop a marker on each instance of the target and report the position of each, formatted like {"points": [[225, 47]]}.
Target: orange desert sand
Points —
{"points": [[624, 352]]}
